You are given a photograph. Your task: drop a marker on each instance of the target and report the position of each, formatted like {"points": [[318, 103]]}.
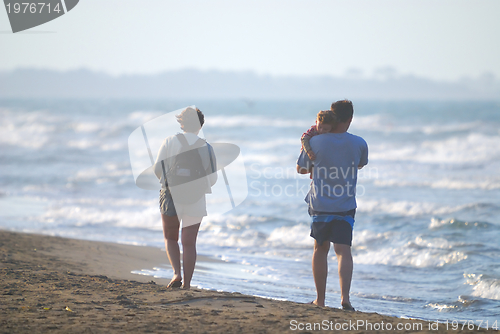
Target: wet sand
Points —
{"points": [[56, 285]]}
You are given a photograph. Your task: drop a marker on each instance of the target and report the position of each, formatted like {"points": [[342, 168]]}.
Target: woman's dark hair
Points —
{"points": [[191, 120]]}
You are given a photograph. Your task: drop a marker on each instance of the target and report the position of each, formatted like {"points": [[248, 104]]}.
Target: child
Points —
{"points": [[325, 122]]}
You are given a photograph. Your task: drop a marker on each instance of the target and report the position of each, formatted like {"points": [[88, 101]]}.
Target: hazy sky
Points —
{"points": [[445, 39]]}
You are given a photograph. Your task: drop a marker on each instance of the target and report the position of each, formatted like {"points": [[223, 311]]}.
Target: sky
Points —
{"points": [[442, 40]]}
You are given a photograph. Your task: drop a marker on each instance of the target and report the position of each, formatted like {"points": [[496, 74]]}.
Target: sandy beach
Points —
{"points": [[56, 285]]}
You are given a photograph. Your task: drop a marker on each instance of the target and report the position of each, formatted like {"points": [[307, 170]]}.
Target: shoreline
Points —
{"points": [[54, 284]]}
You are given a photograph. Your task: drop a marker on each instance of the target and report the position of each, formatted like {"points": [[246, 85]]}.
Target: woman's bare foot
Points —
{"points": [[176, 282]]}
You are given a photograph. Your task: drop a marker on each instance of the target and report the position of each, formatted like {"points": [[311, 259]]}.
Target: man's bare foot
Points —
{"points": [[347, 307]]}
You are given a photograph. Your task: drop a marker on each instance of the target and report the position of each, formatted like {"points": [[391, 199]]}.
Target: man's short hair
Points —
{"points": [[327, 117], [343, 110], [191, 120]]}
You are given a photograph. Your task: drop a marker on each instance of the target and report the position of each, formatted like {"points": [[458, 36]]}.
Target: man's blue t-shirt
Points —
{"points": [[335, 171]]}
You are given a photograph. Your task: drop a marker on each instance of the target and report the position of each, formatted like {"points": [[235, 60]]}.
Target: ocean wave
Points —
{"points": [[243, 239], [370, 248], [243, 121], [385, 297], [109, 170], [376, 123], [437, 223], [484, 287], [386, 124], [406, 208], [86, 127], [243, 231], [80, 216], [26, 130], [275, 159], [296, 236], [39, 128], [139, 117], [474, 148], [410, 257], [443, 307], [274, 143], [452, 184]]}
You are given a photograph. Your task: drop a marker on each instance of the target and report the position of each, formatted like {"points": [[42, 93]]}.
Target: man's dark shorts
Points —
{"points": [[336, 231]]}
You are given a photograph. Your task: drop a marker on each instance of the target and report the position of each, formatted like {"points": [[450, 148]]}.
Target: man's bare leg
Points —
{"points": [[171, 237], [320, 270], [188, 239], [344, 258]]}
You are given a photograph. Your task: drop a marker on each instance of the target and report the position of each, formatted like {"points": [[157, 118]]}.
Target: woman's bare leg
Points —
{"points": [[171, 237], [188, 239]]}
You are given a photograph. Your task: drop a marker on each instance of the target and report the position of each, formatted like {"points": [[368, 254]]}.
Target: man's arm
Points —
{"points": [[364, 156], [304, 170], [304, 164]]}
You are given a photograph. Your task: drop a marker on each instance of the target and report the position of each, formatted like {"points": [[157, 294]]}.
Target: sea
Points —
{"points": [[427, 233]]}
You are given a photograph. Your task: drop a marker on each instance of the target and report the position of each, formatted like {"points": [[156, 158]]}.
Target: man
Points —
{"points": [[331, 198]]}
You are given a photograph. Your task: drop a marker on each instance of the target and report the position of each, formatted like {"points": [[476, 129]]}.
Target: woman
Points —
{"points": [[190, 206]]}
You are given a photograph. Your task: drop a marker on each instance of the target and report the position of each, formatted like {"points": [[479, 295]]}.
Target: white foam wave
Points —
{"points": [[115, 202], [404, 256], [273, 144], [382, 123], [32, 131], [224, 238], [419, 252], [464, 184], [405, 208], [256, 121], [87, 127], [147, 218], [137, 118], [296, 236], [109, 170], [489, 184], [268, 272], [442, 307], [270, 159], [38, 129], [438, 223], [488, 288], [239, 231], [473, 148]]}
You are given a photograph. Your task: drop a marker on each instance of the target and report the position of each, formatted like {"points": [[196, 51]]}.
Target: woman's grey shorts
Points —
{"points": [[167, 207]]}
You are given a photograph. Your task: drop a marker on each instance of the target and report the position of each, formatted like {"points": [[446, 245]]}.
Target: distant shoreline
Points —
{"points": [[183, 84]]}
